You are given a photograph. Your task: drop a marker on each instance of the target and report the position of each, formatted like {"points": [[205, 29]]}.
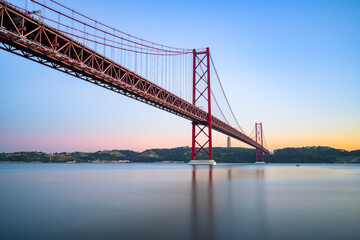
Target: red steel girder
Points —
{"points": [[25, 36], [199, 74], [259, 138]]}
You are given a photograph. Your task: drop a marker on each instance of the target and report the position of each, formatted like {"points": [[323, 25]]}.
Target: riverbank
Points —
{"points": [[183, 154]]}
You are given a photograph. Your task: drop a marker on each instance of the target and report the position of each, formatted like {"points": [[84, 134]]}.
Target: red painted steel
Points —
{"points": [[193, 153], [201, 84], [26, 36], [259, 139], [209, 104]]}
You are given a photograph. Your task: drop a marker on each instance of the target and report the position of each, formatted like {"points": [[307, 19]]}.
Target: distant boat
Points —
{"points": [[259, 162]]}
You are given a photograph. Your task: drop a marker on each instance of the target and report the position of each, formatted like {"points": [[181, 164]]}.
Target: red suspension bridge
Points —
{"points": [[172, 79]]}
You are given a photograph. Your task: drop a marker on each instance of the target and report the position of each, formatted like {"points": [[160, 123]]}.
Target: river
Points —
{"points": [[176, 201]]}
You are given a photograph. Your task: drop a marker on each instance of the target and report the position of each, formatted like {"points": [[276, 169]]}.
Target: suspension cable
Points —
{"points": [[63, 6], [222, 89], [219, 108], [74, 19]]}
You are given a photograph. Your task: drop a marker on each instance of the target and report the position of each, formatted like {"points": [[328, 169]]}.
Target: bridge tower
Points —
{"points": [[201, 130], [259, 139]]}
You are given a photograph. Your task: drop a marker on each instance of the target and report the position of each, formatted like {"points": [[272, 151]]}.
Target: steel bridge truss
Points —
{"points": [[261, 154], [202, 91], [30, 38]]}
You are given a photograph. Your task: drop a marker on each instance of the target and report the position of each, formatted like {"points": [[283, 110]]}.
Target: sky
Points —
{"points": [[292, 65]]}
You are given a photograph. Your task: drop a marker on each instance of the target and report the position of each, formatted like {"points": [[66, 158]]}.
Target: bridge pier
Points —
{"points": [[202, 162]]}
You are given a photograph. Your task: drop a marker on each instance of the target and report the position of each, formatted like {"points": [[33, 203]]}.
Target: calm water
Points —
{"points": [[172, 201]]}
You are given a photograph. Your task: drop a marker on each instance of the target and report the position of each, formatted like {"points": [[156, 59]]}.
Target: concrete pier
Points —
{"points": [[202, 162]]}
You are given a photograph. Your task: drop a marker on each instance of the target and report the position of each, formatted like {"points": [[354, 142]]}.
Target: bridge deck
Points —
{"points": [[25, 36]]}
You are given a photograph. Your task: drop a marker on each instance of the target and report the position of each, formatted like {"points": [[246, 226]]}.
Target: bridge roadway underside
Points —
{"points": [[23, 35]]}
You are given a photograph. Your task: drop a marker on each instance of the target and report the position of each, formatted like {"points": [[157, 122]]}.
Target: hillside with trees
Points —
{"points": [[183, 154]]}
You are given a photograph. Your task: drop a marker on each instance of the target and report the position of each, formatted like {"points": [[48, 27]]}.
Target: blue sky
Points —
{"points": [[293, 65]]}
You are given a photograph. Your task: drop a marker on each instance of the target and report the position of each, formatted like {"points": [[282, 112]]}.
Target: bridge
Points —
{"points": [[172, 79]]}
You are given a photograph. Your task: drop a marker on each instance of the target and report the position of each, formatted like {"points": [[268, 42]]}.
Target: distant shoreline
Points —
{"points": [[183, 154], [166, 163]]}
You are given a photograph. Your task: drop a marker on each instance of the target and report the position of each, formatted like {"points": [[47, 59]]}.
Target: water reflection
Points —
{"points": [[202, 225], [163, 201], [237, 200]]}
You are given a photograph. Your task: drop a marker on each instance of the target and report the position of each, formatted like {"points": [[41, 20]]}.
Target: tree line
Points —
{"points": [[183, 154]]}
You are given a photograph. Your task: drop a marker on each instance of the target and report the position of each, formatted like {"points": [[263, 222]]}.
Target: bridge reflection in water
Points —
{"points": [[175, 201], [206, 204], [202, 207]]}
